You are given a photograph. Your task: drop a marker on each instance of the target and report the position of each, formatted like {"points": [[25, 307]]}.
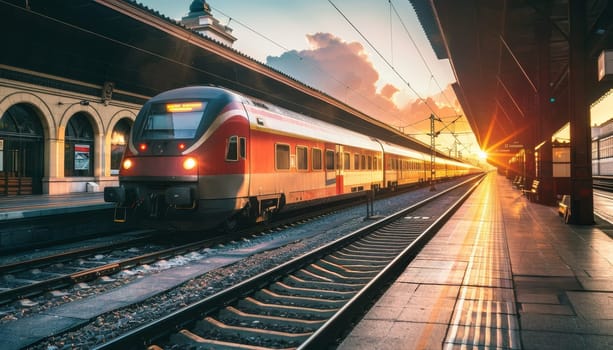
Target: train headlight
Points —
{"points": [[127, 164], [189, 163]]}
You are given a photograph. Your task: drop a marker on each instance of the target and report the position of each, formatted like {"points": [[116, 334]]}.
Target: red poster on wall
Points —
{"points": [[81, 157]]}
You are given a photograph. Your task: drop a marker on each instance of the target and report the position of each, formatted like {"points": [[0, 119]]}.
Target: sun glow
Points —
{"points": [[482, 155]]}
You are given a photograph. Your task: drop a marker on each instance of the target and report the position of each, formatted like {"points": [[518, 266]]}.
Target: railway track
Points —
{"points": [[307, 302], [604, 183], [32, 277], [25, 279]]}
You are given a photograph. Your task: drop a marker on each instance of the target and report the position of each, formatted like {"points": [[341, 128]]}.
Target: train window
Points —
{"points": [[167, 121], [243, 147], [369, 164], [356, 161], [282, 157], [363, 162], [232, 148], [346, 161], [329, 160], [606, 147], [375, 163], [316, 155], [302, 158]]}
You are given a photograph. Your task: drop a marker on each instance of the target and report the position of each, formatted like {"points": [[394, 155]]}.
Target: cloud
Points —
{"points": [[343, 70], [388, 91], [338, 68]]}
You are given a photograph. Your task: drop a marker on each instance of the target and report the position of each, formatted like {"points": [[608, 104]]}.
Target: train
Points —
{"points": [[602, 149], [201, 157]]}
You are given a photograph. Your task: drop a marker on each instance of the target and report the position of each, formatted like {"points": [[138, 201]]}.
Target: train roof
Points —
{"points": [[403, 151], [281, 120], [275, 118], [195, 92], [267, 116]]}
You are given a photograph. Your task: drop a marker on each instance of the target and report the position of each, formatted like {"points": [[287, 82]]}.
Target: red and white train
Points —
{"points": [[199, 157]]}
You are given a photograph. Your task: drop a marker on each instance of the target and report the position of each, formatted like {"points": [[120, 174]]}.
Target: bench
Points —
{"points": [[564, 207], [532, 192], [518, 181], [12, 185]]}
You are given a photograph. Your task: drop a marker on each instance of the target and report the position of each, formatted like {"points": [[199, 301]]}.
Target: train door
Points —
{"points": [[330, 166], [340, 173], [401, 172], [426, 170]]}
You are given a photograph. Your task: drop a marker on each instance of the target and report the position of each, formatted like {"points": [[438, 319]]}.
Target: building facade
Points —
{"points": [[59, 136]]}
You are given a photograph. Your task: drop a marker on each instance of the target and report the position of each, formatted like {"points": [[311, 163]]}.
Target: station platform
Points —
{"points": [[32, 221], [503, 273], [31, 206]]}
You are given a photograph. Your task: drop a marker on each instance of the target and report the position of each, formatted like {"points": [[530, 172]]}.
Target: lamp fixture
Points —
{"points": [[82, 103]]}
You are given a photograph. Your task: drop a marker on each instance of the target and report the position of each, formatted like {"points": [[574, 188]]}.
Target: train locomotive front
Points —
{"points": [[185, 165]]}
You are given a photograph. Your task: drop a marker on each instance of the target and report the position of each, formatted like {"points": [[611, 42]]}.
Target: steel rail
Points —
{"points": [[337, 324], [69, 254], [95, 272], [65, 280], [149, 333]]}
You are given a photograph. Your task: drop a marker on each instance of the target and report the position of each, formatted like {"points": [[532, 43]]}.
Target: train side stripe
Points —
{"points": [[222, 118]]}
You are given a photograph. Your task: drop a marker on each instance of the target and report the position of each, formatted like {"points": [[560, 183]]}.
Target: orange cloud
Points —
{"points": [[343, 70], [388, 91]]}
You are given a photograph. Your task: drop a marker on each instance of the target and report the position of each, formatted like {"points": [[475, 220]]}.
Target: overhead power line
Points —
{"points": [[393, 69], [287, 50]]}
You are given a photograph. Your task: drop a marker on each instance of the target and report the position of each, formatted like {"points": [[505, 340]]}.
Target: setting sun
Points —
{"points": [[482, 155]]}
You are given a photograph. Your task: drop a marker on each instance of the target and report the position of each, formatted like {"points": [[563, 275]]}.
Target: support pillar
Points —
{"points": [[582, 205], [530, 166], [544, 126]]}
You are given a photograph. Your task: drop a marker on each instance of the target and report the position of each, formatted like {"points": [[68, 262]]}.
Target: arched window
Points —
{"points": [[21, 151], [79, 147], [119, 140]]}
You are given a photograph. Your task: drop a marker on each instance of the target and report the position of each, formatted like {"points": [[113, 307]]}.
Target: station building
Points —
{"points": [[77, 73], [61, 135]]}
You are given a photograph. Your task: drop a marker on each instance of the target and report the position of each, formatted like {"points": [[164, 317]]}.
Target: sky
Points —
{"points": [[370, 54]]}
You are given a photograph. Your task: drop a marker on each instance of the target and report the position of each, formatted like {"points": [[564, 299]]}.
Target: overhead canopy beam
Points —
{"points": [[504, 87], [519, 65]]}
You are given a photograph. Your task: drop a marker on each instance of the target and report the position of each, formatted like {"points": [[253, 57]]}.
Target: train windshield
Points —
{"points": [[167, 121]]}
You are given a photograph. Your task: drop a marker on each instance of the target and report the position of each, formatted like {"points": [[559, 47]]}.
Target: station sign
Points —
{"points": [[513, 145], [605, 65], [510, 147]]}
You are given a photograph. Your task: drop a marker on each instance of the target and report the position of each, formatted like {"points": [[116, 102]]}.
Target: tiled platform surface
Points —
{"points": [[503, 273], [32, 206]]}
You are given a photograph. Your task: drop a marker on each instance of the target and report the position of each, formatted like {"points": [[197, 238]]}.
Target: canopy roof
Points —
{"points": [[511, 62], [143, 53]]}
